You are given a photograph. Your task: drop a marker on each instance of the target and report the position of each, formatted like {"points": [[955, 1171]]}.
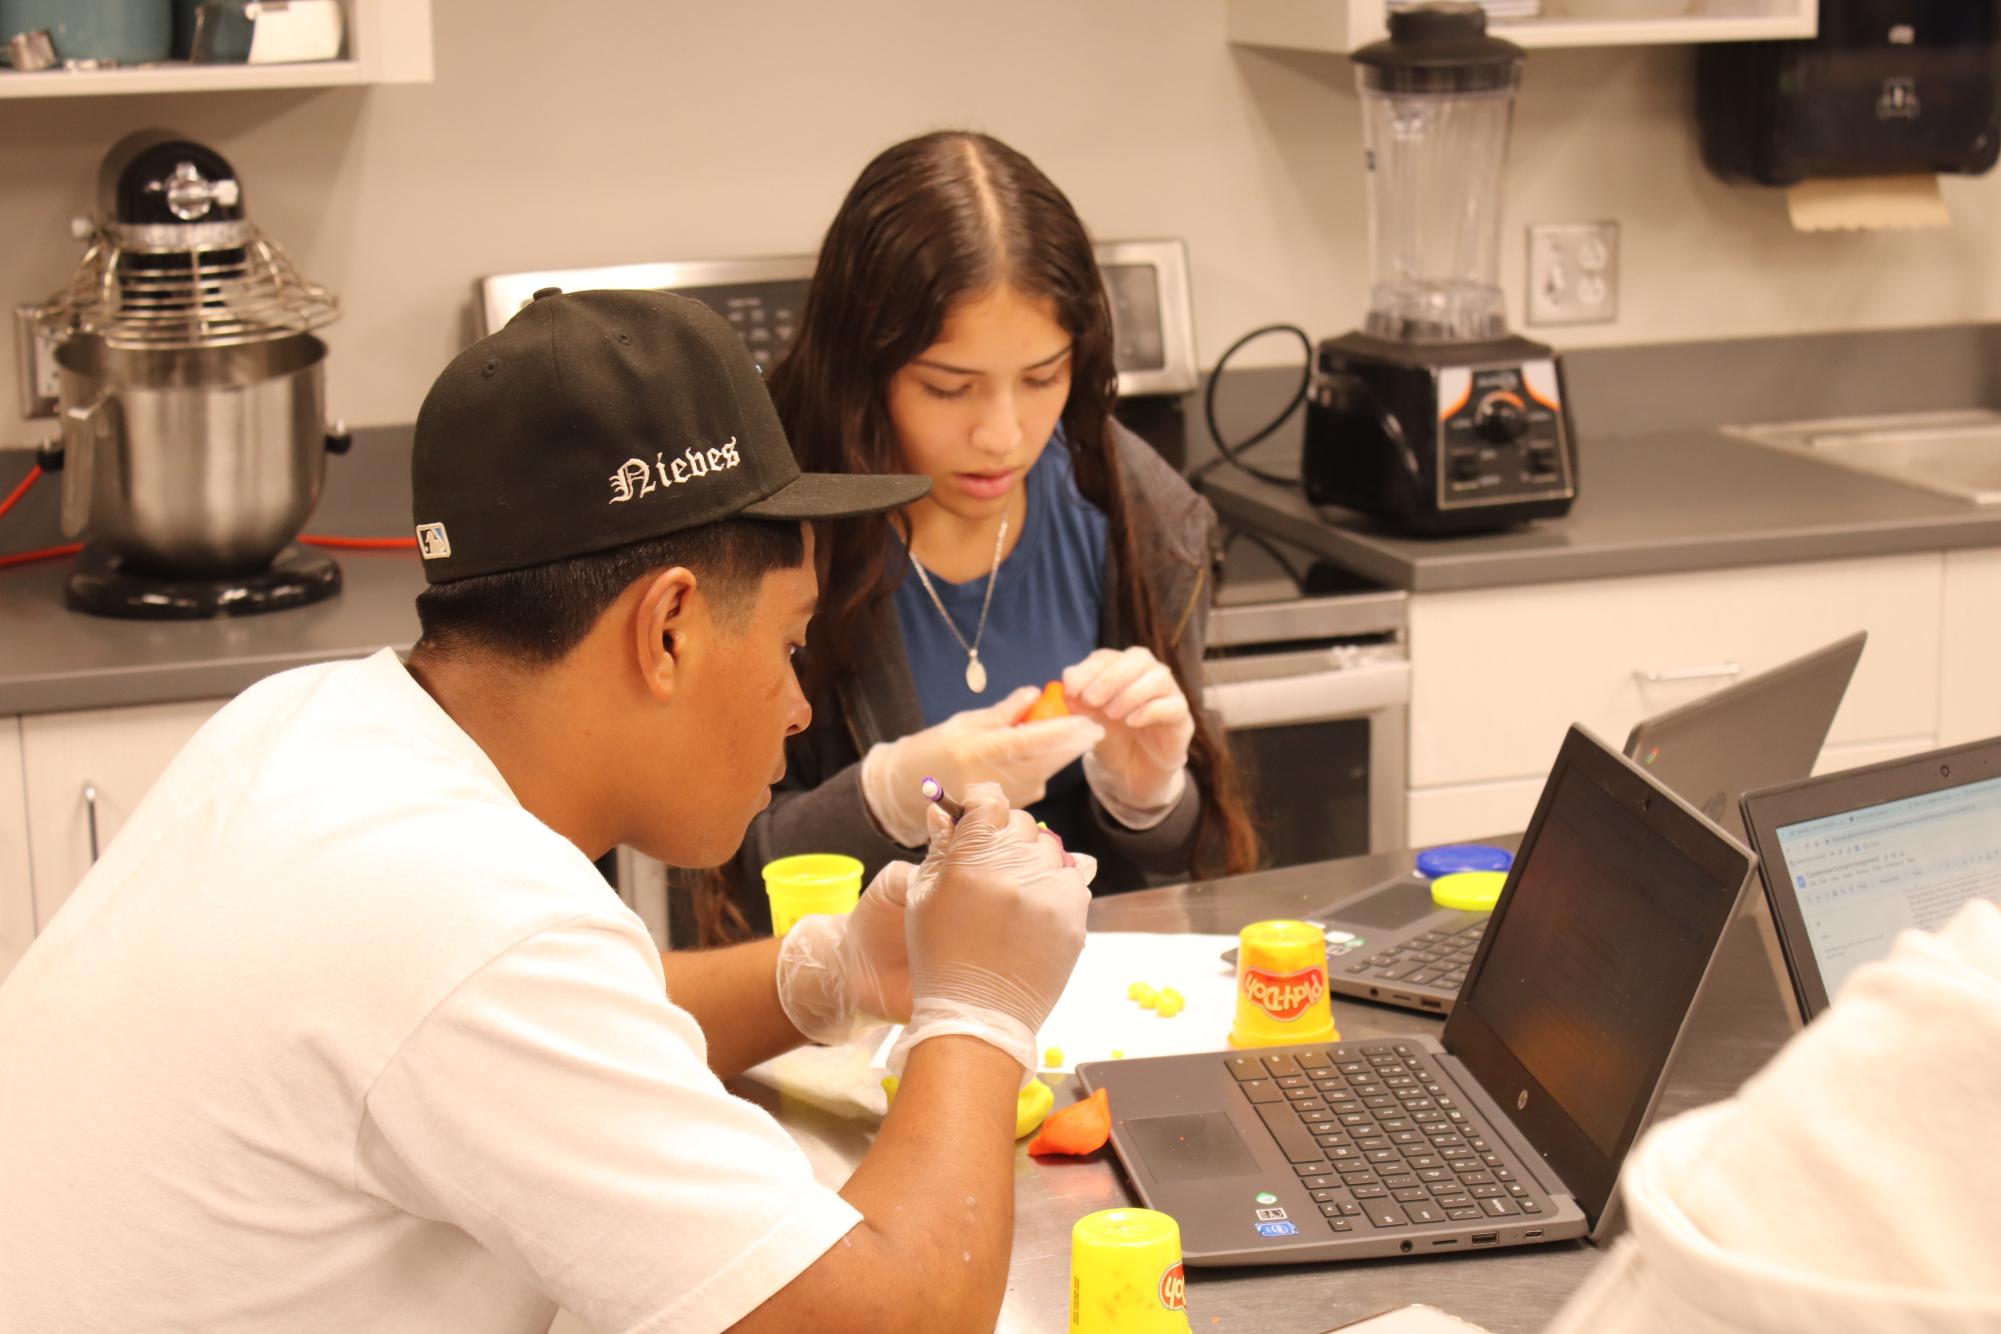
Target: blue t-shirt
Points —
{"points": [[1048, 594]]}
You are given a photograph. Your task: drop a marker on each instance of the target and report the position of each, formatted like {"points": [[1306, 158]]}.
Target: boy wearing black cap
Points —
{"points": [[344, 1031]]}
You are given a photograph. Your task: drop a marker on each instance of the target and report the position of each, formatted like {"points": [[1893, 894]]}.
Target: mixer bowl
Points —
{"points": [[193, 462]]}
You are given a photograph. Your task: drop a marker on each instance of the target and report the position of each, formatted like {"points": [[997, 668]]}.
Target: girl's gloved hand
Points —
{"points": [[976, 746], [1139, 769]]}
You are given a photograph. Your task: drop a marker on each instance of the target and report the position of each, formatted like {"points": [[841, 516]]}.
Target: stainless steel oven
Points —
{"points": [[1147, 282], [1309, 673]]}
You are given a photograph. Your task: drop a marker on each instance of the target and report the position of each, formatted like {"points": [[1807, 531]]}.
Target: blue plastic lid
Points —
{"points": [[1453, 857]]}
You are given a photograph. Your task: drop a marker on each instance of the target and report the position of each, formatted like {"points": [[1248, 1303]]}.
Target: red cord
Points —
{"points": [[361, 543], [46, 553], [50, 553], [34, 475]]}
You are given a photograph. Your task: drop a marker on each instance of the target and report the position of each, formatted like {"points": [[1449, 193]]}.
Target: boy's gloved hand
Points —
{"points": [[995, 923], [832, 970]]}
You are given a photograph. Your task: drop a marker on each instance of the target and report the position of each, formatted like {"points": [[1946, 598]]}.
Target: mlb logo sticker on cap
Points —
{"points": [[432, 542]]}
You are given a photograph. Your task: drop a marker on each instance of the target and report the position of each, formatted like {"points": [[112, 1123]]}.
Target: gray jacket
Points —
{"points": [[819, 805]]}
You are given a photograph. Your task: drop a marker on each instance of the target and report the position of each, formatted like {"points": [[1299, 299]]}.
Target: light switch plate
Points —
{"points": [[1573, 273]]}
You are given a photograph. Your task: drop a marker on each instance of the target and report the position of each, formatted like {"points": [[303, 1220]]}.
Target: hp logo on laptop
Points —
{"points": [[1521, 1099]]}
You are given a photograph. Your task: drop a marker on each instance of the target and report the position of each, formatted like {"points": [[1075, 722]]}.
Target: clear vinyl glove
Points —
{"points": [[833, 971], [996, 921], [1140, 768], [976, 746]]}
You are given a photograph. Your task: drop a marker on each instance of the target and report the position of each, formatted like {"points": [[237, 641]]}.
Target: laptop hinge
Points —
{"points": [[1511, 1135]]}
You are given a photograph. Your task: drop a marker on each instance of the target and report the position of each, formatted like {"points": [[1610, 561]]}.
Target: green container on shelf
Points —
{"points": [[131, 32]]}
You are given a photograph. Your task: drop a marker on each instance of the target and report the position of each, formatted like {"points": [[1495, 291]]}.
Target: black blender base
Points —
{"points": [[101, 586]]}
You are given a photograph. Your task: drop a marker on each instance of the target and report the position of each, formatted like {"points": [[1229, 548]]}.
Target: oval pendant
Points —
{"points": [[976, 675]]}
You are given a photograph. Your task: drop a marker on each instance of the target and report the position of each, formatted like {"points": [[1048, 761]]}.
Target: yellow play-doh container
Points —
{"points": [[1125, 1274], [1282, 986], [810, 884]]}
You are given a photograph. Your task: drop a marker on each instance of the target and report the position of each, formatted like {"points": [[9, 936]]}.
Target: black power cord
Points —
{"points": [[1232, 452]]}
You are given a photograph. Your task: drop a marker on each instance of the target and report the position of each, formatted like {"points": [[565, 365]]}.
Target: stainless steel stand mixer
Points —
{"points": [[192, 396]]}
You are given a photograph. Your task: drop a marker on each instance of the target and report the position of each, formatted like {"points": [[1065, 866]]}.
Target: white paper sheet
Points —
{"points": [[1096, 1018]]}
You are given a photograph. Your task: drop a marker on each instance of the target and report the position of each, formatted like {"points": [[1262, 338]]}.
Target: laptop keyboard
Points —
{"points": [[1436, 958], [1378, 1140]]}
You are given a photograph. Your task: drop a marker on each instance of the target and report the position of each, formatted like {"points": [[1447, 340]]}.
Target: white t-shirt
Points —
{"points": [[337, 1036], [1849, 1186]]}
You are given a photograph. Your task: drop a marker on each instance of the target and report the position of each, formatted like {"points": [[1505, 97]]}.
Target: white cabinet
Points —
{"points": [[85, 773], [1970, 666], [388, 41], [1341, 26], [1497, 675], [17, 894]]}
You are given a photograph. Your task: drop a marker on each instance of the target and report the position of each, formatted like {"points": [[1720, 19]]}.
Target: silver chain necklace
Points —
{"points": [[976, 672]]}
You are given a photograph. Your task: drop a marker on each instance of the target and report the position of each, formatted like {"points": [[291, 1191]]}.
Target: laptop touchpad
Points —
{"points": [[1398, 904], [1191, 1148]]}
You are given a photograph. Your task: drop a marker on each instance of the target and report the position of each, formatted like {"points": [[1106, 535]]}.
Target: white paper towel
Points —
{"points": [[1867, 203], [1095, 1017]]}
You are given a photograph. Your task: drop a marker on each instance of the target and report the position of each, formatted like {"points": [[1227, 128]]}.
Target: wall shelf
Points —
{"points": [[388, 41], [1341, 26]]}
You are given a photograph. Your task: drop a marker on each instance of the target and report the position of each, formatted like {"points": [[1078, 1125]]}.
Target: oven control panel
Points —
{"points": [[1153, 323], [766, 315]]}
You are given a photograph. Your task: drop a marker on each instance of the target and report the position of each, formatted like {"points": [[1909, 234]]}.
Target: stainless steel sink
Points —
{"points": [[1956, 454]]}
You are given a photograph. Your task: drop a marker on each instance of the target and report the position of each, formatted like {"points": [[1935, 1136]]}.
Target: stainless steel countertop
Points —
{"points": [[1739, 1024], [1647, 504]]}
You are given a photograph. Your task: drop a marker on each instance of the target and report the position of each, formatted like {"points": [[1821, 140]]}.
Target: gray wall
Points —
{"points": [[641, 129]]}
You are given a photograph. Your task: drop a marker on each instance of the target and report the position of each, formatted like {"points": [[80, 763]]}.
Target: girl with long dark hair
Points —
{"points": [[957, 326]]}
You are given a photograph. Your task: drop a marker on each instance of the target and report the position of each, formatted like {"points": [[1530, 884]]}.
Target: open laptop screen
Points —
{"points": [[1764, 730], [1589, 968], [1861, 876], [1606, 941]]}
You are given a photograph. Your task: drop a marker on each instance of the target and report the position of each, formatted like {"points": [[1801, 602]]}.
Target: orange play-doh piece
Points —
{"points": [[1082, 1127], [1049, 704]]}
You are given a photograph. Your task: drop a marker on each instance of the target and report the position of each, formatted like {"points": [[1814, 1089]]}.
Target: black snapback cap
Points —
{"points": [[596, 419]]}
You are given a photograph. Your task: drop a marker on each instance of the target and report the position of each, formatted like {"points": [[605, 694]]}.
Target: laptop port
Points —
{"points": [[1486, 1238], [1533, 1234], [1448, 1241], [1428, 1003]]}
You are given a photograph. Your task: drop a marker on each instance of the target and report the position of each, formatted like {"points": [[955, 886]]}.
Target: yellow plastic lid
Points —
{"points": [[1468, 891]]}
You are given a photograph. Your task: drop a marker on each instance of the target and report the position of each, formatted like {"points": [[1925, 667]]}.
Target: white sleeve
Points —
{"points": [[559, 1109], [1844, 1186]]}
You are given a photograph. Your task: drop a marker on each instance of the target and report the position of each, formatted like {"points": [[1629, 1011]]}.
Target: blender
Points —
{"points": [[1433, 418]]}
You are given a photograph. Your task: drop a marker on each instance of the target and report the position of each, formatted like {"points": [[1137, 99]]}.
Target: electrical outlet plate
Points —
{"points": [[34, 365], [1573, 273]]}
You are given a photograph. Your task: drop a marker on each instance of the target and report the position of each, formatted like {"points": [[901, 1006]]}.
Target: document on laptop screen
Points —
{"points": [[1592, 973], [1864, 875]]}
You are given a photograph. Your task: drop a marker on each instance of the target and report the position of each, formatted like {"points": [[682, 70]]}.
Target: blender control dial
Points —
{"points": [[1500, 419]]}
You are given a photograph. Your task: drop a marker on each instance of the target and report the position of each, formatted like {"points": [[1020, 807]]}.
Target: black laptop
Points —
{"points": [[1850, 859], [1511, 1128], [1393, 945]]}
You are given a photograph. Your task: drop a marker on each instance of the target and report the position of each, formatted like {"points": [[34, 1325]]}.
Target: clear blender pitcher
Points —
{"points": [[1437, 100]]}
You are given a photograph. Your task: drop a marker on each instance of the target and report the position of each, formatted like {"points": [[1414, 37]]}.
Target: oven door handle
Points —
{"points": [[1279, 701]]}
